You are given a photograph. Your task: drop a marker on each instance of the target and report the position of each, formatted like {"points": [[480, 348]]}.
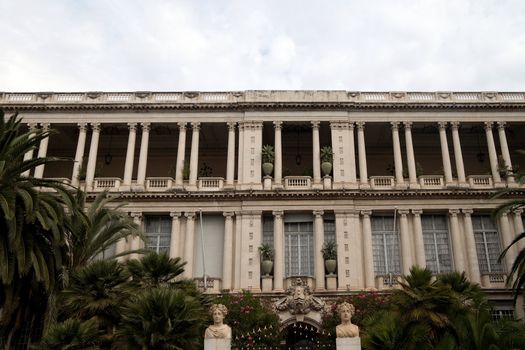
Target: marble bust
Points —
{"points": [[346, 329], [218, 330]]}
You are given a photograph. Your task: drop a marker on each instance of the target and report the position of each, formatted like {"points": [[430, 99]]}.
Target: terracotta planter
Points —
{"points": [[267, 168], [330, 266], [326, 168], [266, 267]]}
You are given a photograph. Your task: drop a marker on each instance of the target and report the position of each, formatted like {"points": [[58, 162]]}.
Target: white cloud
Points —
{"points": [[62, 45]]}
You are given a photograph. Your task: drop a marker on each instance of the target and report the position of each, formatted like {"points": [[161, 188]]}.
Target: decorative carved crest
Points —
{"points": [[93, 94], [299, 301], [142, 94], [191, 94]]}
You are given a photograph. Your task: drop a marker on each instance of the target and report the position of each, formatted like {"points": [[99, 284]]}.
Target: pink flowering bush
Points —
{"points": [[253, 322]]}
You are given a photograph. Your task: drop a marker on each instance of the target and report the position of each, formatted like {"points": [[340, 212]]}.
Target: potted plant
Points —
{"points": [[327, 157], [329, 252], [268, 156], [266, 251]]}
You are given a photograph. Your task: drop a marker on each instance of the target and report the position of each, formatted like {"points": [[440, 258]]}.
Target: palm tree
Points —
{"points": [[97, 228], [162, 318], [71, 334], [155, 270], [97, 291], [32, 239]]}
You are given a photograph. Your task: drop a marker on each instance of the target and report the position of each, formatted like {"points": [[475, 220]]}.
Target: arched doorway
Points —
{"points": [[300, 336]]}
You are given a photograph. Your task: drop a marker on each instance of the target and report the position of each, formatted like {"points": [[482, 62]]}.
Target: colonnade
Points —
{"points": [[243, 236], [248, 169]]}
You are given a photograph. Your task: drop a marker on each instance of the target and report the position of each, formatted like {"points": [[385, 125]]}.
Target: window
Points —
{"points": [[502, 313], [437, 246], [299, 248], [158, 233], [385, 246], [329, 230], [107, 253], [267, 236], [487, 244]]}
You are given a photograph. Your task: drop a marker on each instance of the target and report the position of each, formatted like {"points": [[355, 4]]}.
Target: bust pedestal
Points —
{"points": [[217, 344], [348, 343]]}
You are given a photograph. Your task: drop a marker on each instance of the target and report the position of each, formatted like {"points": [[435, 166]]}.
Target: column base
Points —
{"points": [[317, 186], [267, 283], [414, 186], [364, 186], [277, 186], [401, 186]]}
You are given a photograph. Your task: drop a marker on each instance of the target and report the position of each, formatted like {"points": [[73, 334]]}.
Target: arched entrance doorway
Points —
{"points": [[300, 336]]}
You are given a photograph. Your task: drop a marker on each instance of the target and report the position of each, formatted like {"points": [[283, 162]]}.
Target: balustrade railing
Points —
{"points": [[211, 183], [431, 181], [106, 183], [480, 181], [297, 182], [381, 182], [158, 183]]}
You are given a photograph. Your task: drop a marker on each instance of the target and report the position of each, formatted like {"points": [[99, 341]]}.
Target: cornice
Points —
{"points": [[260, 101]]}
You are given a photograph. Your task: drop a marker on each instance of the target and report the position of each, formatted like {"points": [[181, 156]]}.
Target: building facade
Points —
{"points": [[412, 177]]}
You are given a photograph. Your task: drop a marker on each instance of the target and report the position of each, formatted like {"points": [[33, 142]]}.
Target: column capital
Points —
{"points": [[145, 127], [132, 126], [190, 215], [394, 125], [504, 214], [501, 125], [339, 125], [82, 126], [407, 125], [32, 126], [228, 214], [455, 125], [403, 212], [95, 126], [417, 212], [175, 215], [360, 125], [467, 212], [135, 214], [453, 212], [488, 126], [231, 126], [278, 213], [442, 125], [315, 124], [45, 127], [278, 125], [196, 126], [318, 213], [366, 213], [182, 125], [518, 212]]}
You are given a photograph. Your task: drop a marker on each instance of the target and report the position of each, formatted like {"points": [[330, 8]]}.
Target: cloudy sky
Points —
{"points": [[165, 45]]}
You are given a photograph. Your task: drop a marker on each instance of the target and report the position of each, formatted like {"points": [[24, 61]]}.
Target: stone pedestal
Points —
{"points": [[218, 344], [348, 343], [327, 182], [331, 282], [267, 283], [267, 182]]}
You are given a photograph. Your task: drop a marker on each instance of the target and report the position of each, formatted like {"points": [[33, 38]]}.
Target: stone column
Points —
{"points": [[505, 149], [318, 245], [29, 154], [188, 244], [130, 155], [278, 250], [447, 168], [470, 241], [42, 152], [227, 260], [181, 149], [411, 159], [143, 155], [398, 160], [518, 227], [194, 157], [240, 156], [457, 246], [406, 251], [238, 250], [278, 170], [493, 156], [458, 154], [79, 154], [368, 253], [507, 238], [135, 241], [230, 167], [351, 142], [92, 158], [316, 153], [419, 242], [363, 174], [175, 235]]}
